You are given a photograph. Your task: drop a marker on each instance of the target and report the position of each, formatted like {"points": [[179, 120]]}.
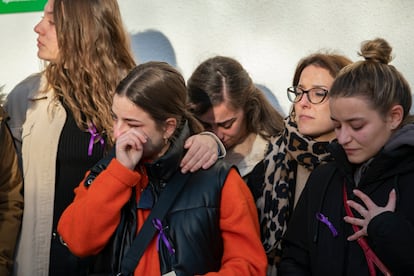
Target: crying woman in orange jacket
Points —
{"points": [[212, 227]]}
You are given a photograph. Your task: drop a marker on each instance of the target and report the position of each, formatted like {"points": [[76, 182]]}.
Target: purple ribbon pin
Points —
{"points": [[325, 220], [158, 225], [94, 134]]}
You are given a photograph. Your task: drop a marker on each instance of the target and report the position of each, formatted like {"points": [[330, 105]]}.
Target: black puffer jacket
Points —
{"points": [[192, 223], [309, 246]]}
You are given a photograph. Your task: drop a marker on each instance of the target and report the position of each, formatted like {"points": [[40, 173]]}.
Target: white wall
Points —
{"points": [[267, 36]]}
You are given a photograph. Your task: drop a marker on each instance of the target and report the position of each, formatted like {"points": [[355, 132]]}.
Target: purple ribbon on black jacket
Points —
{"points": [[161, 235]]}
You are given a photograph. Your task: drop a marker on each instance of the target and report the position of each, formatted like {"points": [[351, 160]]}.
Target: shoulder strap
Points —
{"points": [[99, 167], [147, 232]]}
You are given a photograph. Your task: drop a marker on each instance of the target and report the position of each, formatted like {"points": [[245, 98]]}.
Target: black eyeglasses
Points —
{"points": [[315, 95]]}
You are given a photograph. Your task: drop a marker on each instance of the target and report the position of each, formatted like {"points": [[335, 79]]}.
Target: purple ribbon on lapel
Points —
{"points": [[323, 219], [94, 134], [158, 225]]}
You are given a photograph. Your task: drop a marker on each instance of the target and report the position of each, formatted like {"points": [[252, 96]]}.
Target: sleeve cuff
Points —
{"points": [[123, 174], [221, 149]]}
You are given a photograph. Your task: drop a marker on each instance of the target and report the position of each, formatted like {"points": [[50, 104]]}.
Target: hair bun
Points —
{"points": [[376, 50]]}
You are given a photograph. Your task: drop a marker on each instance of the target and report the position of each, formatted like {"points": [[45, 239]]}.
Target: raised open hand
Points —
{"points": [[368, 212]]}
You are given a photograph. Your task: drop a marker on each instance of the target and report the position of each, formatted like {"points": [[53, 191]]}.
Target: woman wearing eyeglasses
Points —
{"points": [[299, 149]]}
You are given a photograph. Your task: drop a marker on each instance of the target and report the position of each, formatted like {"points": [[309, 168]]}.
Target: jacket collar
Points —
{"points": [[402, 137], [34, 94], [164, 168], [341, 160], [394, 158]]}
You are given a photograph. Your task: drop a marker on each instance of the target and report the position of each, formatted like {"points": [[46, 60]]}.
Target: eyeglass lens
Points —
{"points": [[314, 95]]}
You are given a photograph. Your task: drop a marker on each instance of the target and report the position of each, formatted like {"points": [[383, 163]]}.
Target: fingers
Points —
{"points": [[198, 158], [190, 159], [359, 222], [370, 211], [129, 147], [189, 142], [132, 137], [210, 162], [392, 201], [202, 153], [205, 161], [371, 207], [190, 165], [356, 235], [367, 201], [185, 162], [358, 207], [354, 221]]}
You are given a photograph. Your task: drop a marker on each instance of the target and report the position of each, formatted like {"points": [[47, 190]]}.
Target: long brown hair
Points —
{"points": [[222, 78], [94, 55]]}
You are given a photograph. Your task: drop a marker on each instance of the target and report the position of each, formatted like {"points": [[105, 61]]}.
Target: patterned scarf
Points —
{"points": [[286, 152]]}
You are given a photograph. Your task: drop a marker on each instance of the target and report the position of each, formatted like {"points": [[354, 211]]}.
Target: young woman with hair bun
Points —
{"points": [[355, 214]]}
